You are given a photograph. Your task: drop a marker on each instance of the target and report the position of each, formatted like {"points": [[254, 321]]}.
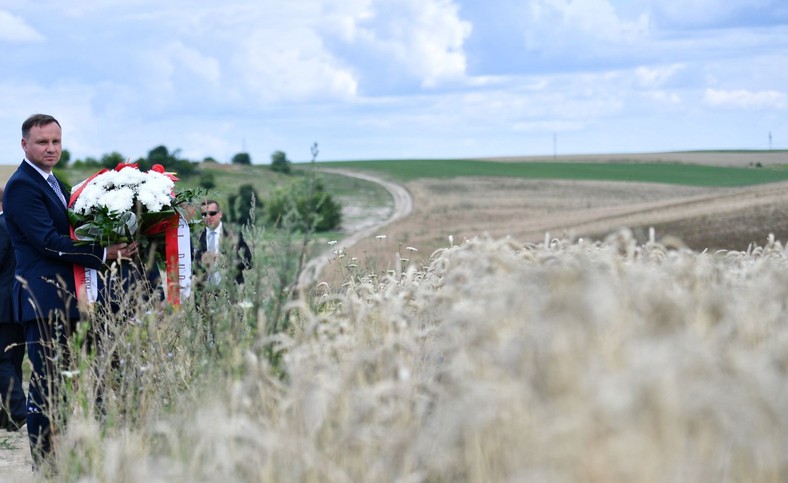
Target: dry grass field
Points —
{"points": [[514, 356], [564, 362], [700, 218], [6, 170]]}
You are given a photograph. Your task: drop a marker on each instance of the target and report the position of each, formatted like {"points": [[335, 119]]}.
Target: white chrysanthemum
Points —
{"points": [[119, 200], [117, 191], [130, 177], [89, 198], [105, 181], [156, 191]]}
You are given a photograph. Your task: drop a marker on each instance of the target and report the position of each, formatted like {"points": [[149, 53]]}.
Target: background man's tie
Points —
{"points": [[212, 242]]}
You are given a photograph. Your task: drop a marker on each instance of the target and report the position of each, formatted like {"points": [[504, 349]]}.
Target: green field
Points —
{"points": [[229, 177], [671, 173]]}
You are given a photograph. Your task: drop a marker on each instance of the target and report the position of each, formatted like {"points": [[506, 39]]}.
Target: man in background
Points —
{"points": [[12, 338], [220, 250]]}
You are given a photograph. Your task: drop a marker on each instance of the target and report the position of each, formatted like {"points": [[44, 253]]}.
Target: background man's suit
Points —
{"points": [[240, 259], [45, 255], [12, 340]]}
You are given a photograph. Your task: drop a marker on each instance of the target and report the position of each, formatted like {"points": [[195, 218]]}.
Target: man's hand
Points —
{"points": [[122, 250]]}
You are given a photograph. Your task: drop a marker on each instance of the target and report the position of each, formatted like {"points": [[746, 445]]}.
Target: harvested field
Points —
{"points": [[700, 218]]}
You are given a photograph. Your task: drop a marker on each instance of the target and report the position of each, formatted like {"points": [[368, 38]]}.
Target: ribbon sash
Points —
{"points": [[178, 270], [86, 280], [177, 247]]}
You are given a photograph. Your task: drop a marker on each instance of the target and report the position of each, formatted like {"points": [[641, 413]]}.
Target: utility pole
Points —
{"points": [[770, 140]]}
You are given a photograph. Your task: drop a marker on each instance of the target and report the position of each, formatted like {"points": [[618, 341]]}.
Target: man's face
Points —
{"points": [[42, 146], [211, 215]]}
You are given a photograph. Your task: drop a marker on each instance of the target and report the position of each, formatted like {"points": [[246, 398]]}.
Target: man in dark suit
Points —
{"points": [[12, 339], [212, 252], [44, 290]]}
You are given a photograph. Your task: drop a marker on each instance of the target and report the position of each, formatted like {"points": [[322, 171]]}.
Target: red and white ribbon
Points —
{"points": [[86, 280], [178, 247]]}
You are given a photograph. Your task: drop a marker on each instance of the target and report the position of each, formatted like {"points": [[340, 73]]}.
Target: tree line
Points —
{"points": [[308, 206]]}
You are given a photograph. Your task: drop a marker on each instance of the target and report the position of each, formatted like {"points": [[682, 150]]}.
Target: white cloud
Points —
{"points": [[664, 98], [744, 99], [205, 67], [548, 126], [700, 13], [292, 65], [554, 24], [656, 76], [423, 37], [15, 29]]}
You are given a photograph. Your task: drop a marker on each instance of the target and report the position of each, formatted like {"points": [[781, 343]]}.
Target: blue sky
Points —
{"points": [[369, 79]]}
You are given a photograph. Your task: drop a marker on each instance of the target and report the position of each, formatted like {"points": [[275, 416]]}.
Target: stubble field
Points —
{"points": [[700, 218]]}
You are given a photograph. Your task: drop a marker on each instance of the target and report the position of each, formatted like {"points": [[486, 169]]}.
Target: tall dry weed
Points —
{"points": [[498, 361]]}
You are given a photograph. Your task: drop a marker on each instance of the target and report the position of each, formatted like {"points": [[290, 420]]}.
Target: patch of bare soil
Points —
{"points": [[15, 460]]}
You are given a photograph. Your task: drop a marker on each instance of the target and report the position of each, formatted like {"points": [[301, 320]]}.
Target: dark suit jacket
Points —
{"points": [[45, 254], [242, 255], [7, 268]]}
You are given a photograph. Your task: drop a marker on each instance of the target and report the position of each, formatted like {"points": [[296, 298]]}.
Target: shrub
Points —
{"points": [[242, 158], [280, 163], [304, 209], [242, 205], [207, 181]]}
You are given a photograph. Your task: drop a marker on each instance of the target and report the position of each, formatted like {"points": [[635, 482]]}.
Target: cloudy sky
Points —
{"points": [[369, 79]]}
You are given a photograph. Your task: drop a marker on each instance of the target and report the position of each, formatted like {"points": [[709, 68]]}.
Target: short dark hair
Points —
{"points": [[36, 120], [208, 202]]}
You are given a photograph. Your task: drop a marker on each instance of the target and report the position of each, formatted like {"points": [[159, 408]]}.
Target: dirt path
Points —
{"points": [[403, 205], [15, 459]]}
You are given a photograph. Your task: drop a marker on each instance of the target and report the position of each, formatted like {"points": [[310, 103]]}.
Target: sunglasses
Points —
{"points": [[209, 213]]}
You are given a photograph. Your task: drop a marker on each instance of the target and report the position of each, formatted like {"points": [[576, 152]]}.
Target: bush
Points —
{"points": [[207, 181], [242, 158], [240, 205], [280, 163], [112, 159], [88, 162], [170, 160], [304, 209]]}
